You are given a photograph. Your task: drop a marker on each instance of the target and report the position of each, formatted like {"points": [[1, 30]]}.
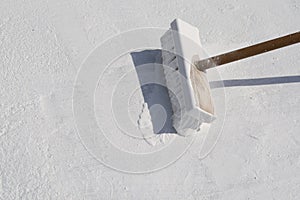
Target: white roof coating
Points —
{"points": [[52, 146]]}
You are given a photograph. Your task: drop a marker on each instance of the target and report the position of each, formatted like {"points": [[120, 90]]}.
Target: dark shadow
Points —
{"points": [[254, 82], [154, 94]]}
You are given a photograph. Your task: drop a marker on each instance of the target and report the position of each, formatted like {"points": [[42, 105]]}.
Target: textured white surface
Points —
{"points": [[42, 46]]}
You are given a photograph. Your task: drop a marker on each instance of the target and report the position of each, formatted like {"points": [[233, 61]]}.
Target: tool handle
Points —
{"points": [[248, 51]]}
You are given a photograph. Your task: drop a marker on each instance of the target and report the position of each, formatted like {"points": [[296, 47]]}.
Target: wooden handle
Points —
{"points": [[248, 51]]}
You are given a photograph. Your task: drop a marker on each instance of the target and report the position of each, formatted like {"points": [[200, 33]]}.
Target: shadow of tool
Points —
{"points": [[254, 82], [150, 74]]}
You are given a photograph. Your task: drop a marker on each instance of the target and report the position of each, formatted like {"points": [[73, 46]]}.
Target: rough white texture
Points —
{"points": [[42, 44]]}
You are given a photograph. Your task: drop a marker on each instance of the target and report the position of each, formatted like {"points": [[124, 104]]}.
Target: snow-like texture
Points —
{"points": [[146, 127], [42, 45]]}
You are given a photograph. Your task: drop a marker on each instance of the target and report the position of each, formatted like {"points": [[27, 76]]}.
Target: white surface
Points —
{"points": [[42, 46]]}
